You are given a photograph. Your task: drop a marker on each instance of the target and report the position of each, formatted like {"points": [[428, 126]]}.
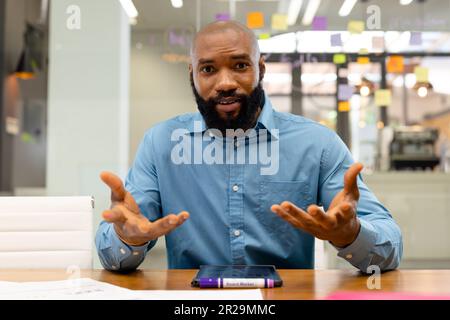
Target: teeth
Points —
{"points": [[227, 102]]}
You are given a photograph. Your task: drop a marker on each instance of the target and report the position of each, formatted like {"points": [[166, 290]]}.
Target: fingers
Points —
{"points": [[286, 216], [115, 184], [343, 213], [294, 215], [314, 217], [131, 204], [326, 220], [350, 180], [165, 225], [334, 225], [346, 211], [333, 218], [182, 217], [115, 215]]}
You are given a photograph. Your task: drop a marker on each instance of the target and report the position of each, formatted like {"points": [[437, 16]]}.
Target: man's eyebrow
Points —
{"points": [[203, 61], [240, 56]]}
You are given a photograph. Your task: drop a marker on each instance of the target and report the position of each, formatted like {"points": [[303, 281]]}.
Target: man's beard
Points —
{"points": [[246, 117]]}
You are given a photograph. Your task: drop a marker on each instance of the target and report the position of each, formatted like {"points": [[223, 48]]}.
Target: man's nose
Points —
{"points": [[226, 83]]}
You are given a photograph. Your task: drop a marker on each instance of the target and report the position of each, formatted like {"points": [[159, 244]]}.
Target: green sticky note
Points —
{"points": [[26, 137], [339, 58]]}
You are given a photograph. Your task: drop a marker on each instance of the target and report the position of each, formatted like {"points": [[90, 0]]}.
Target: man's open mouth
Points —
{"points": [[228, 105], [228, 101]]}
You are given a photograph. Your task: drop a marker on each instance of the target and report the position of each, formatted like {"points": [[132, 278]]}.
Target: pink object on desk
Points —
{"points": [[380, 295]]}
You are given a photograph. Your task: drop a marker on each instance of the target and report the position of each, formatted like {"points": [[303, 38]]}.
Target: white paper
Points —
{"points": [[88, 289], [72, 289], [200, 294]]}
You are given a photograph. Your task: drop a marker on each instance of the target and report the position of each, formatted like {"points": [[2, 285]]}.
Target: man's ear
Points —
{"points": [[191, 74], [262, 68]]}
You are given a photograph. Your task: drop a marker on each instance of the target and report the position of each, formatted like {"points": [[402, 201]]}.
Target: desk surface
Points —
{"points": [[298, 284]]}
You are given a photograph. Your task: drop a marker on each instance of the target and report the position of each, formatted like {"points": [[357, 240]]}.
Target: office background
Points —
{"points": [[101, 76]]}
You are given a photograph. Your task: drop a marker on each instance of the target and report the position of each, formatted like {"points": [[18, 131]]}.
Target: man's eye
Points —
{"points": [[207, 69], [241, 65]]}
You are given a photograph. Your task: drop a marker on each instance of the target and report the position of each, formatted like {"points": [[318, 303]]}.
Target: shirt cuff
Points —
{"points": [[126, 250], [363, 245]]}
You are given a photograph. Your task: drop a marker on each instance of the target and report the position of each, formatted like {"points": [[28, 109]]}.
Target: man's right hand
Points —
{"points": [[130, 224]]}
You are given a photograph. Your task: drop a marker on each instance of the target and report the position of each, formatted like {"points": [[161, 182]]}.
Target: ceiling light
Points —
{"points": [[347, 7], [364, 91], [293, 11], [422, 92], [177, 3], [366, 87], [423, 88], [405, 2], [129, 8], [310, 12]]}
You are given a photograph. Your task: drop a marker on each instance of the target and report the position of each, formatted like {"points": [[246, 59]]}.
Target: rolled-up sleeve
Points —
{"points": [[114, 254], [379, 242]]}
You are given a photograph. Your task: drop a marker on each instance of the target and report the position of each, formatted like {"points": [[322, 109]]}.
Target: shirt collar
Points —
{"points": [[197, 124], [265, 120]]}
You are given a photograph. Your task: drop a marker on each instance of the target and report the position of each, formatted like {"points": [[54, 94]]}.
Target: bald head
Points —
{"points": [[230, 29]]}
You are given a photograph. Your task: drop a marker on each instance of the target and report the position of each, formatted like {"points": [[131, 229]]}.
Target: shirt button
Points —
{"points": [[135, 253], [122, 251], [349, 256], [237, 233], [235, 188], [236, 144], [114, 267]]}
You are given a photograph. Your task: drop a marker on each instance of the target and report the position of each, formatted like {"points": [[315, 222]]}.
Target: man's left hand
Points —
{"points": [[340, 224]]}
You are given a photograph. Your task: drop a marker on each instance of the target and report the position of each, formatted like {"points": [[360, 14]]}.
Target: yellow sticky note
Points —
{"points": [[421, 74], [255, 20], [339, 58], [383, 98], [264, 36], [395, 64], [363, 60], [363, 51], [355, 26], [279, 22], [343, 106]]}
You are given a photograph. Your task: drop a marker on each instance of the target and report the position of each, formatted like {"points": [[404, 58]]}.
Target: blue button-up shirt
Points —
{"points": [[229, 202]]}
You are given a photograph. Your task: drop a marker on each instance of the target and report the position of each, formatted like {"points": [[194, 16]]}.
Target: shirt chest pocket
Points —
{"points": [[275, 192]]}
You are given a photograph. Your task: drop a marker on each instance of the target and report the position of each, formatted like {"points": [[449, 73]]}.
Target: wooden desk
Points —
{"points": [[298, 284]]}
